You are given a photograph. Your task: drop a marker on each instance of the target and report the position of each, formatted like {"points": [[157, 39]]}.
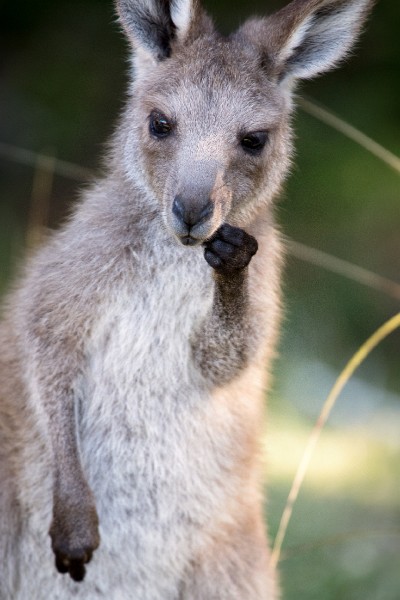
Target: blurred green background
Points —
{"points": [[62, 84]]}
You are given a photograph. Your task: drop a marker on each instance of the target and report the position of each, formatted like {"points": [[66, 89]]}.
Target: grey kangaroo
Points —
{"points": [[134, 348]]}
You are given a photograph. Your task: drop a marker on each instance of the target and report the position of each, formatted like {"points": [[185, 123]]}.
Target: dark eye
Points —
{"points": [[253, 143], [159, 125]]}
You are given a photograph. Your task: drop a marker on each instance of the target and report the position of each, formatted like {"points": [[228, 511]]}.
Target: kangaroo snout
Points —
{"points": [[191, 217]]}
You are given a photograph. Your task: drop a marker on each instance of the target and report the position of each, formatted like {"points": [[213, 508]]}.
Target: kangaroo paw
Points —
{"points": [[229, 250], [74, 537]]}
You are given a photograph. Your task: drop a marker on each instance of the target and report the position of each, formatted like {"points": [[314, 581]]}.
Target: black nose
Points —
{"points": [[191, 212]]}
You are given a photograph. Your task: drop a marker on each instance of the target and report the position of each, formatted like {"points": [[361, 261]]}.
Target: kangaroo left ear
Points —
{"points": [[307, 37], [183, 15], [154, 26]]}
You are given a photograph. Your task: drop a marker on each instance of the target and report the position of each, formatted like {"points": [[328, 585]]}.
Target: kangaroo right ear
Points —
{"points": [[153, 26], [307, 37]]}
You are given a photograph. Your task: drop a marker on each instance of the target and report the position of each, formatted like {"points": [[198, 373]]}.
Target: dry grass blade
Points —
{"points": [[344, 268], [31, 159], [40, 202], [386, 329], [326, 116]]}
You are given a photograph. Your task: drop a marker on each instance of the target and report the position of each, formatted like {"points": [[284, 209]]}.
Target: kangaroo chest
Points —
{"points": [[142, 415]]}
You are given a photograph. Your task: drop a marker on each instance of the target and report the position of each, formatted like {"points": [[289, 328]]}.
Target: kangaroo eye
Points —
{"points": [[253, 143], [159, 125]]}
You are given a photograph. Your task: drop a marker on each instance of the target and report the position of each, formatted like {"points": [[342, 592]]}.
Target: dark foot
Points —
{"points": [[229, 250]]}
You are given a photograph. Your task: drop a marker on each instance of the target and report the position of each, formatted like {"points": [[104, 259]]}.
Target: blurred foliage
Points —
{"points": [[63, 68]]}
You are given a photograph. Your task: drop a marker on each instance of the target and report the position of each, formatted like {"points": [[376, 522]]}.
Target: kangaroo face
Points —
{"points": [[213, 141], [209, 124]]}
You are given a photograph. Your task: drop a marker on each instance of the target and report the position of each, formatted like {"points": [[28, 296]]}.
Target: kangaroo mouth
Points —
{"points": [[188, 240]]}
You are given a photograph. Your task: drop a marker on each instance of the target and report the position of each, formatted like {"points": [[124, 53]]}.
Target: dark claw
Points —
{"points": [[77, 570], [61, 564]]}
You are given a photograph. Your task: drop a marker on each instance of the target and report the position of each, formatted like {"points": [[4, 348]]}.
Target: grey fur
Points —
{"points": [[133, 367]]}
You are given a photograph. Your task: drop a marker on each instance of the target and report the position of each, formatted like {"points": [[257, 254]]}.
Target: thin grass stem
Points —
{"points": [[327, 117], [361, 354], [42, 187], [31, 159], [344, 268]]}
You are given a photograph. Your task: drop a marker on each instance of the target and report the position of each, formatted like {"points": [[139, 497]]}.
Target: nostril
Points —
{"points": [[206, 211], [178, 209]]}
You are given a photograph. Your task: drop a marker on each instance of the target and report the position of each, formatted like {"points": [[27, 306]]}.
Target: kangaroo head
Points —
{"points": [[208, 130]]}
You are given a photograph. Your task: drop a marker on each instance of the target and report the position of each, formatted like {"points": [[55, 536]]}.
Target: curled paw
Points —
{"points": [[74, 537], [73, 562], [230, 249]]}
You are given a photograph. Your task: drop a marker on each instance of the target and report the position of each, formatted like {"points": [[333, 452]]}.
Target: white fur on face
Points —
{"points": [[211, 146]]}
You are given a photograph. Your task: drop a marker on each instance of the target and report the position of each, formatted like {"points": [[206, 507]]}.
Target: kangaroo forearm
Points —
{"points": [[220, 348], [73, 501], [54, 334], [56, 365], [74, 527], [56, 395], [68, 471]]}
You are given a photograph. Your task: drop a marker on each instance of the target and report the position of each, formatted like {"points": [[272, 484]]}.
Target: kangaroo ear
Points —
{"points": [[308, 37], [153, 26]]}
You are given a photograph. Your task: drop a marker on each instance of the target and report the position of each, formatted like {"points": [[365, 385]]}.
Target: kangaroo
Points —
{"points": [[135, 347]]}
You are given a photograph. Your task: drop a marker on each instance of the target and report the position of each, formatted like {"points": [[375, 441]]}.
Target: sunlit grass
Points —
{"points": [[349, 460], [343, 541], [345, 375], [342, 457]]}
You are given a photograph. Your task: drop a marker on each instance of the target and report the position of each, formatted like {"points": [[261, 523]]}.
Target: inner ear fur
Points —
{"points": [[148, 25], [155, 27]]}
